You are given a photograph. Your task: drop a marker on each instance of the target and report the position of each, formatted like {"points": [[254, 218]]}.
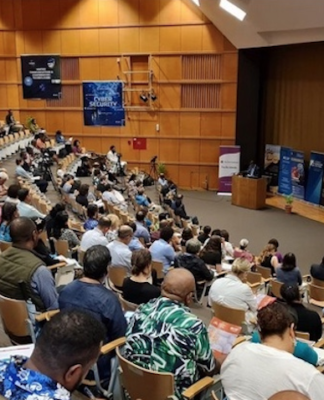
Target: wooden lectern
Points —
{"points": [[248, 192]]}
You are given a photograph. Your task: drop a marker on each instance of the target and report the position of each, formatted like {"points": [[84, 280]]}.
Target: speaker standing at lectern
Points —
{"points": [[253, 171]]}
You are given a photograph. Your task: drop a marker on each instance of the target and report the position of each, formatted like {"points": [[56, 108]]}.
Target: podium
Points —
{"points": [[248, 192]]}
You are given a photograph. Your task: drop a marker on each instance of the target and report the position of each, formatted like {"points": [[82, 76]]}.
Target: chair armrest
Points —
{"points": [[306, 276], [254, 285], [46, 316], [198, 387], [222, 273], [319, 344], [107, 348], [75, 248], [58, 265]]}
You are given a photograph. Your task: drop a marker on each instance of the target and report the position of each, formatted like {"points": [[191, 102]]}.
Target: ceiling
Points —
{"points": [[269, 22]]}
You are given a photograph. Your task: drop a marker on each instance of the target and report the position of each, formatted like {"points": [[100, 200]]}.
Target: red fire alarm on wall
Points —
{"points": [[139, 144]]}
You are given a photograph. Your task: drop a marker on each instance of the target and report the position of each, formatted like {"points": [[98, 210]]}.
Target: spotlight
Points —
{"points": [[143, 97], [153, 95]]}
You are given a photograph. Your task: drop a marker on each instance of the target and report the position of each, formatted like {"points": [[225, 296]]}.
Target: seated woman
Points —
{"points": [[186, 235], [92, 221], [308, 320], [242, 252], [76, 148], [270, 367], [211, 254], [82, 197], [137, 288], [232, 290], [12, 194], [9, 213], [61, 230], [289, 272], [268, 258], [112, 234], [40, 249]]}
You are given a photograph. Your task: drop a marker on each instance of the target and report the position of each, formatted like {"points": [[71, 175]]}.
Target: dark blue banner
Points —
{"points": [[298, 174], [41, 77], [285, 186], [315, 177], [103, 103]]}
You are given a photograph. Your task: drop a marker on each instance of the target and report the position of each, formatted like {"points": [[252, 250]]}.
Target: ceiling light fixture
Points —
{"points": [[196, 2], [232, 9]]}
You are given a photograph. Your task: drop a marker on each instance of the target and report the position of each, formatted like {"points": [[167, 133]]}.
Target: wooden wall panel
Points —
{"points": [[100, 40]]}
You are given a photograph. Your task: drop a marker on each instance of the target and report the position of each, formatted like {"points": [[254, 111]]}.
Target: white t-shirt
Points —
{"points": [[112, 157], [254, 371], [92, 238]]}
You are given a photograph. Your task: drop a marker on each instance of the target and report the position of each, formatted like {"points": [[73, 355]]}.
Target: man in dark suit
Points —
{"points": [[317, 271]]}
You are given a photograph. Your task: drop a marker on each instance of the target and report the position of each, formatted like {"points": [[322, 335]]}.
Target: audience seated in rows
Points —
{"points": [[288, 272], [22, 273], [162, 250], [141, 198], [242, 252], [211, 253], [114, 197], [270, 367], [67, 347], [205, 234], [24, 206], [268, 258], [179, 339], [96, 235], [191, 261], [61, 230], [9, 213], [29, 177], [92, 214], [119, 250], [232, 291], [89, 294], [317, 271], [137, 288]]}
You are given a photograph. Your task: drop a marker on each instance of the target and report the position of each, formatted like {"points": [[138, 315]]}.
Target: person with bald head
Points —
{"points": [[23, 275], [120, 253], [163, 335]]}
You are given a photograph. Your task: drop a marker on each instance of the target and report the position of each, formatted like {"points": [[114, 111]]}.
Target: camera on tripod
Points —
{"points": [[46, 159], [153, 160]]}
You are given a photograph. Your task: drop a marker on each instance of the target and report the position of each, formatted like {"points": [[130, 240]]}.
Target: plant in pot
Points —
{"points": [[161, 168], [289, 200]]}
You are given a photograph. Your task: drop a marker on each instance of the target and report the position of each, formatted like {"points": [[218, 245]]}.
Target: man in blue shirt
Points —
{"points": [[141, 230], [162, 251], [67, 347]]}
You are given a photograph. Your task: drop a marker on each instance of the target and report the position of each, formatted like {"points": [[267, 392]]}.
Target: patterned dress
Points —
{"points": [[18, 383], [164, 336]]}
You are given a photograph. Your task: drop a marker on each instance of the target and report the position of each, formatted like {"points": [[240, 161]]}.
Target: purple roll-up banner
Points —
{"points": [[229, 165]]}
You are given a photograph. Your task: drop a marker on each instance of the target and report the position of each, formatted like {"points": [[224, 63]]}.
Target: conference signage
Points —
{"points": [[298, 174], [41, 76], [229, 165], [272, 163], [285, 185], [103, 103], [315, 178]]}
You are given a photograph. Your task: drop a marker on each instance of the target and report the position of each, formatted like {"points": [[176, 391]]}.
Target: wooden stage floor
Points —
{"points": [[300, 207]]}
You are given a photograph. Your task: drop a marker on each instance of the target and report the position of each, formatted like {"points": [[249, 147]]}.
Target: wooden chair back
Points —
{"points": [[81, 254], [275, 288], [288, 395], [127, 305], [317, 282], [228, 314], [143, 384], [14, 315], [64, 275], [316, 292], [158, 267], [254, 277], [62, 248], [265, 272], [116, 276], [302, 335], [4, 245]]}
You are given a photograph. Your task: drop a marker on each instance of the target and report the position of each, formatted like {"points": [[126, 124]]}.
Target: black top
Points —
{"points": [[83, 200], [195, 265], [202, 238], [180, 211], [308, 321], [44, 253], [101, 187], [139, 292], [212, 257], [317, 271], [267, 264]]}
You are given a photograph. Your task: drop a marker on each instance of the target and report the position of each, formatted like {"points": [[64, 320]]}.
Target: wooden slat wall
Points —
{"points": [[96, 39]]}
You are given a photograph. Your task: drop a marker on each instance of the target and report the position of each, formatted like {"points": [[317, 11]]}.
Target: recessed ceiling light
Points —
{"points": [[196, 2], [232, 9]]}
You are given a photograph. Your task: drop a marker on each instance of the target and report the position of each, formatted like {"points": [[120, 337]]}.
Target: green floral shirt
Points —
{"points": [[163, 335]]}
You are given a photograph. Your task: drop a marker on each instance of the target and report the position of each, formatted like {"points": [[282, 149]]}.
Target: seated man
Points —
{"points": [[92, 214], [179, 339], [96, 235], [141, 199], [141, 229], [22, 274], [25, 208], [190, 261], [317, 271], [90, 295], [20, 171], [162, 250], [14, 126], [114, 197], [135, 243], [67, 347], [119, 250]]}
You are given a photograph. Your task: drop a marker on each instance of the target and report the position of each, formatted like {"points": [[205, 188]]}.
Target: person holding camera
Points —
{"points": [[114, 158]]}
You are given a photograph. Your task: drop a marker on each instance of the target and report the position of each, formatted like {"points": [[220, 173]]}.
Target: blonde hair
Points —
{"points": [[267, 251], [115, 222], [240, 265]]}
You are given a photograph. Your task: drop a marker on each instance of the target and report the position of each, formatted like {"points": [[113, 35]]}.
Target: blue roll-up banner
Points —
{"points": [[41, 76], [298, 174], [315, 178], [103, 103], [284, 181]]}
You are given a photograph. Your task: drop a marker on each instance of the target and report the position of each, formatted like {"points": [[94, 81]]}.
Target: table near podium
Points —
{"points": [[248, 192]]}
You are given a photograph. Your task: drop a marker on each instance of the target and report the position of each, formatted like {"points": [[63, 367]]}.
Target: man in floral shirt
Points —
{"points": [[163, 335], [64, 352]]}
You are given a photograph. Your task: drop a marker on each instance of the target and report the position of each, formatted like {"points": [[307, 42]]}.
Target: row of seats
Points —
{"points": [[12, 144]]}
